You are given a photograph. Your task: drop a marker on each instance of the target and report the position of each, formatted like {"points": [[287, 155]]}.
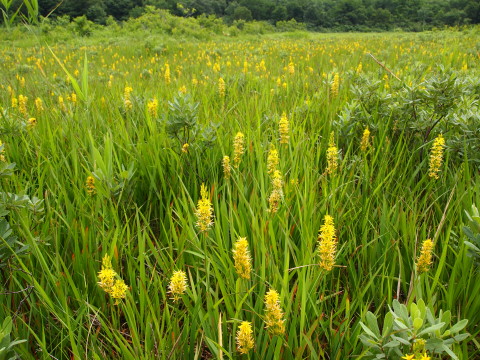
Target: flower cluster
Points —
{"points": [[204, 210], [178, 284], [332, 155], [365, 143], [284, 129], [272, 160], [108, 281], [425, 259], [242, 258], [238, 148], [167, 74], [245, 340], [276, 195], [221, 87], [90, 185], [152, 107], [327, 244], [274, 322], [335, 85], [436, 156], [127, 98], [227, 168]]}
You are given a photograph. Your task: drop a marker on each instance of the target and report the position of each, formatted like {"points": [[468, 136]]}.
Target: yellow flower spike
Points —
{"points": [[274, 321], [106, 275], [227, 168], [238, 149], [178, 284], [425, 259], [22, 104], [152, 107], [204, 210], [272, 160], [39, 104], [118, 291], [167, 74], [365, 143], [245, 341], [276, 195], [221, 87], [242, 258], [127, 101], [332, 156], [327, 244], [90, 185], [335, 85], [284, 128], [436, 156]]}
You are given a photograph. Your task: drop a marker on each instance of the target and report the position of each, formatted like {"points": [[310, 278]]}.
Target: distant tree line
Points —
{"points": [[343, 15]]}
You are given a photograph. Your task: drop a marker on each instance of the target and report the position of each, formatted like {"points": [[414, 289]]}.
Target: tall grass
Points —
{"points": [[382, 201]]}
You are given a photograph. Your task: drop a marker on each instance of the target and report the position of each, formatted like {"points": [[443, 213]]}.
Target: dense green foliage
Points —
{"points": [[344, 15], [93, 161]]}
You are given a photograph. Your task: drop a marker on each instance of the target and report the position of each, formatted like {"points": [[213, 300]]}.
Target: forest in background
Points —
{"points": [[317, 15]]}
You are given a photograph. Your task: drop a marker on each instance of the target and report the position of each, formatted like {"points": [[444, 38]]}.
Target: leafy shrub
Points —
{"points": [[412, 330]]}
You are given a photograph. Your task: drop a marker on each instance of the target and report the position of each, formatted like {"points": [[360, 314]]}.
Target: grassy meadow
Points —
{"points": [[107, 141]]}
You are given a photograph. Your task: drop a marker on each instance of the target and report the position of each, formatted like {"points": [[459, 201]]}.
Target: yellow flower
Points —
{"points": [[22, 104], [335, 85], [436, 156], [327, 244], [238, 148], [90, 185], [118, 290], [167, 74], [242, 259], [182, 90], [204, 210], [106, 275], [221, 87], [409, 357], [152, 107], [178, 284], [107, 279], [185, 148], [39, 104], [245, 340], [127, 101], [276, 195], [273, 313], [365, 143], [31, 122], [291, 68], [284, 128], [227, 168], [425, 357], [425, 259], [272, 160], [332, 156]]}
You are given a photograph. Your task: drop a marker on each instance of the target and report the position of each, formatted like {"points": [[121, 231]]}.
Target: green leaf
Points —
{"points": [[372, 323], [368, 331], [417, 323], [459, 326], [431, 329]]}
